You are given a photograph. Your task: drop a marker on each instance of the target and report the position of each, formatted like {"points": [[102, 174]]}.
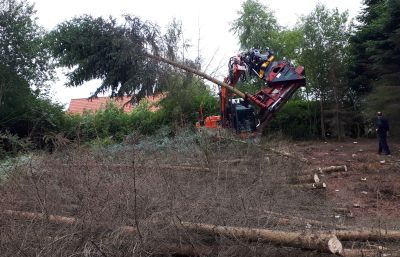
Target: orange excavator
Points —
{"points": [[245, 112], [281, 79]]}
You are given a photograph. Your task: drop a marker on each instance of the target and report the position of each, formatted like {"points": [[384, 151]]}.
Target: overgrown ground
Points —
{"points": [[224, 182]]}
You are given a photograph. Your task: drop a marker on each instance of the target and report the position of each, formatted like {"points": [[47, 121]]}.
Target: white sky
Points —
{"points": [[212, 17]]}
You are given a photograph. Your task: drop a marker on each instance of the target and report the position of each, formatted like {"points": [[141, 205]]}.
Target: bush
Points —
{"points": [[185, 96], [298, 119]]}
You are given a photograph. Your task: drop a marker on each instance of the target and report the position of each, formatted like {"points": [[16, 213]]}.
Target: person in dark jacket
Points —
{"points": [[382, 129]]}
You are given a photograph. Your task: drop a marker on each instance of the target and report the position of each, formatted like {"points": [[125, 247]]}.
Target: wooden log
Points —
{"points": [[324, 242], [344, 211], [331, 169], [40, 216], [179, 167], [361, 253], [306, 179], [368, 235], [320, 185], [321, 242], [284, 219], [141, 166]]}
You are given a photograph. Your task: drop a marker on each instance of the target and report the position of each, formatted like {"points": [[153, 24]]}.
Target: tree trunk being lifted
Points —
{"points": [[198, 73], [321, 242]]}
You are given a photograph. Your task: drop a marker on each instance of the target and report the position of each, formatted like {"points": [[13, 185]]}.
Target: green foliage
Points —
{"points": [[22, 46], [324, 50], [98, 48], [375, 51], [146, 122], [387, 100], [24, 64], [325, 57], [298, 119], [184, 98], [178, 108], [376, 45], [256, 26]]}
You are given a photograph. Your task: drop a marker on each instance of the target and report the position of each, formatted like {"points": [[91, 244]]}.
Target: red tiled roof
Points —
{"points": [[78, 106]]}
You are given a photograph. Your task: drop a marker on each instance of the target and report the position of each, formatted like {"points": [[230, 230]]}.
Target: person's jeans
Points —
{"points": [[383, 146]]}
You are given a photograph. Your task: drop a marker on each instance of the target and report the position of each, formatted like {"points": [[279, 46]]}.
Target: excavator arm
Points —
{"points": [[281, 80]]}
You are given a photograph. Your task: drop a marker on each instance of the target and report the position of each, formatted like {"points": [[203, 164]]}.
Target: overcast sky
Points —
{"points": [[212, 18]]}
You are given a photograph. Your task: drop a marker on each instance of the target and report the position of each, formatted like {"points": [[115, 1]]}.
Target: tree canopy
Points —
{"points": [[22, 45], [25, 67]]}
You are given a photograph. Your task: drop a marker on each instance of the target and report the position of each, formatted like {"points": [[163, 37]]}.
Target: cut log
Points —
{"points": [[140, 166], [360, 253], [344, 211], [321, 242], [62, 220], [180, 167], [40, 216], [283, 219], [320, 185], [331, 169], [325, 242], [233, 161], [306, 179], [368, 235]]}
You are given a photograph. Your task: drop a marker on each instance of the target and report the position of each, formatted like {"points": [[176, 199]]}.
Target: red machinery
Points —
{"points": [[281, 80], [249, 112]]}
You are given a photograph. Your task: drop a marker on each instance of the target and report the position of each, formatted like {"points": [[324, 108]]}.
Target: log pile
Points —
{"points": [[313, 179]]}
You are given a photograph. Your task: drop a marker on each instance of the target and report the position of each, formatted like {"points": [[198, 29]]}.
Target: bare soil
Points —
{"points": [[371, 187]]}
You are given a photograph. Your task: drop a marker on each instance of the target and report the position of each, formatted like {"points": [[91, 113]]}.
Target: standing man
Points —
{"points": [[382, 129]]}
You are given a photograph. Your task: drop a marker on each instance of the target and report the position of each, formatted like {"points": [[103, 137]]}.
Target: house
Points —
{"points": [[80, 105]]}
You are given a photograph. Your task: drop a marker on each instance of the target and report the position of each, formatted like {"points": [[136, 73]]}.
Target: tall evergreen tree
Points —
{"points": [[376, 57]]}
